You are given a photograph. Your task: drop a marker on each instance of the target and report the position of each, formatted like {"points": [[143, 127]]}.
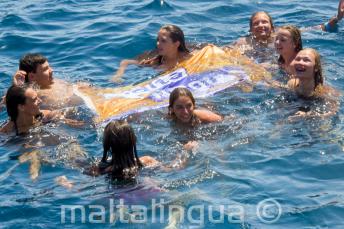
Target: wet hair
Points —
{"points": [[30, 62], [178, 92], [295, 36], [119, 139], [318, 74], [261, 12], [15, 96], [176, 34]]}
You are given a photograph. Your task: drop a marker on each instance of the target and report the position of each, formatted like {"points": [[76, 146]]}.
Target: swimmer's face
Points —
{"points": [[43, 76], [304, 65], [284, 43], [261, 27], [32, 102], [183, 109], [165, 44]]}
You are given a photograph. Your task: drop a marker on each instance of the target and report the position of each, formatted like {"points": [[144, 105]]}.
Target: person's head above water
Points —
{"points": [[170, 40], [182, 105], [288, 42], [37, 70], [119, 139], [22, 102], [307, 67], [261, 26]]}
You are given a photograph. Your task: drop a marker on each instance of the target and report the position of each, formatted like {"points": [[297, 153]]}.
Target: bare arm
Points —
{"points": [[332, 24], [122, 67]]}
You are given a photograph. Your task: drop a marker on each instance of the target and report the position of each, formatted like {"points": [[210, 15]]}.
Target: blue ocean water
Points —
{"points": [[240, 162]]}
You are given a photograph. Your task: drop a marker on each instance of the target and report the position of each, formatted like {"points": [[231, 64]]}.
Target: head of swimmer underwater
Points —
{"points": [[171, 40], [22, 104], [261, 26], [37, 70], [307, 67], [119, 139], [288, 42], [182, 105]]}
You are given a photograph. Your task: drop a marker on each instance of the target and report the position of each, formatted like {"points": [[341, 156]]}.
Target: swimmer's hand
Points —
{"points": [[298, 115], [73, 122], [340, 10], [122, 67], [191, 146], [149, 161], [19, 78], [63, 181]]}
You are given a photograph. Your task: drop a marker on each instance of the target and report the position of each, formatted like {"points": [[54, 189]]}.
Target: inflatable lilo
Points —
{"points": [[208, 71]]}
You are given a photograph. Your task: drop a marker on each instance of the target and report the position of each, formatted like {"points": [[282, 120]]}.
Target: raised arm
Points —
{"points": [[331, 25]]}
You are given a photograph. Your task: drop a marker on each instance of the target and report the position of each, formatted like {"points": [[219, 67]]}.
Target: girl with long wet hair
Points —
{"points": [[170, 49]]}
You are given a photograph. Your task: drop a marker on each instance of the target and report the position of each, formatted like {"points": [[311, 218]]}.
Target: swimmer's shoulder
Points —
{"points": [[207, 116]]}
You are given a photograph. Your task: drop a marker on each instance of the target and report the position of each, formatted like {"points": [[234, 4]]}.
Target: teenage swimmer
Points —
{"points": [[34, 69], [171, 49], [308, 83], [262, 32], [119, 141], [182, 109], [23, 108], [287, 44]]}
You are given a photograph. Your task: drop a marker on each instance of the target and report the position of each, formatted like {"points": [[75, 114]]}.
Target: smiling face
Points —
{"points": [[43, 76], [183, 108], [304, 65], [284, 43], [261, 26], [31, 105], [165, 44]]}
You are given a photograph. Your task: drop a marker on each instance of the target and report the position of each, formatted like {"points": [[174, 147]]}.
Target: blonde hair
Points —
{"points": [[295, 36]]}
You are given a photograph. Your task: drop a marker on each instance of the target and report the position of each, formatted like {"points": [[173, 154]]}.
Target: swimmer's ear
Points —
{"points": [[177, 44], [31, 76], [21, 107]]}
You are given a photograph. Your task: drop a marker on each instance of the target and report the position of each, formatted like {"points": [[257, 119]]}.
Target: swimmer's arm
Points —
{"points": [[241, 41], [207, 116], [122, 67], [149, 161], [58, 115], [332, 24]]}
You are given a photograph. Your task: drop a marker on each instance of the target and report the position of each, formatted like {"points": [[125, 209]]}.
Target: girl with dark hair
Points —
{"points": [[22, 105], [182, 109], [171, 49], [23, 109], [119, 141]]}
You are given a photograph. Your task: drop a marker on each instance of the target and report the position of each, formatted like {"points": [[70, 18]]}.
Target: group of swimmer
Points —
{"points": [[34, 87]]}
